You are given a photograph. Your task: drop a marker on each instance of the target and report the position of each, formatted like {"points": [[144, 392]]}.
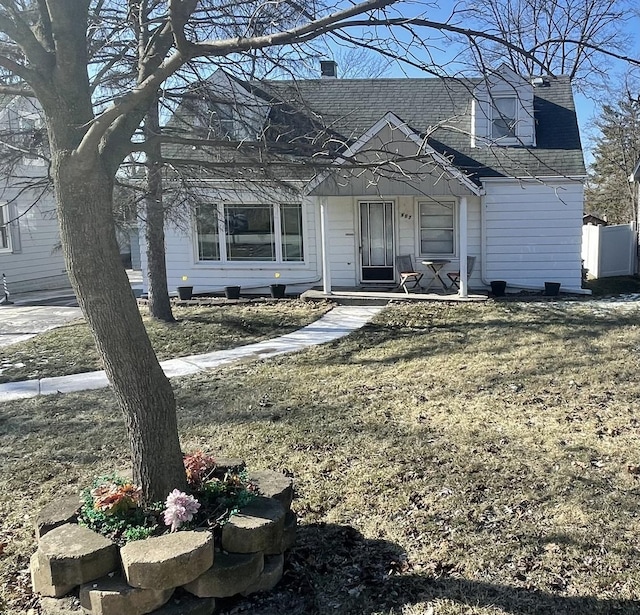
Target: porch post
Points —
{"points": [[324, 240], [463, 292]]}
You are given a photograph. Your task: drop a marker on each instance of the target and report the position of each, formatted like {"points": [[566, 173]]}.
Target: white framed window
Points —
{"points": [[223, 122], [230, 232], [5, 230], [32, 135], [504, 117], [437, 228]]}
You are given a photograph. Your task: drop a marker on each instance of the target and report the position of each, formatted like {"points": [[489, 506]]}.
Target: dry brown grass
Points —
{"points": [[198, 329], [478, 466]]}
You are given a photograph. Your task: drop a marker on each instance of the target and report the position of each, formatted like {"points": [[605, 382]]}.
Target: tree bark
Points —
{"points": [[159, 304], [84, 192]]}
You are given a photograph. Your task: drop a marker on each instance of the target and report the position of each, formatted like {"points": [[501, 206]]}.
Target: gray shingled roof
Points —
{"points": [[440, 108]]}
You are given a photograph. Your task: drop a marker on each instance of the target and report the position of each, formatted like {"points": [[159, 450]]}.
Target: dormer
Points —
{"points": [[222, 108], [502, 111]]}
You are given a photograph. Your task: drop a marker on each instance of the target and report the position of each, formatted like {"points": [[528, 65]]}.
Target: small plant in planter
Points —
{"points": [[111, 507], [112, 504]]}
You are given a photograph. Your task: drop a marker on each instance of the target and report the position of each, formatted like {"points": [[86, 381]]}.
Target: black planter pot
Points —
{"points": [[232, 292], [552, 289], [277, 290], [185, 292], [498, 287]]}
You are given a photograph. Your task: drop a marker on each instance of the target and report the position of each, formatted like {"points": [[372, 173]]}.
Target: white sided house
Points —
{"points": [[30, 254], [433, 168]]}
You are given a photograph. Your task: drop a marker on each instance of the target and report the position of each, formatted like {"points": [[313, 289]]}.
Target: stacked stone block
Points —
{"points": [[141, 577]]}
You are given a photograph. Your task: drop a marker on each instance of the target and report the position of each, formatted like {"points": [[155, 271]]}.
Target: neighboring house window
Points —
{"points": [[32, 136], [260, 232], [5, 230], [437, 228], [503, 124], [224, 124]]}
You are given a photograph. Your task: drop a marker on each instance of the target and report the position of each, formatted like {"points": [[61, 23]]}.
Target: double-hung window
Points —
{"points": [[437, 228], [505, 111], [5, 231], [250, 233]]}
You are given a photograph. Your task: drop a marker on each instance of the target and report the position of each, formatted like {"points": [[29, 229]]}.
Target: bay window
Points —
{"points": [[249, 233]]}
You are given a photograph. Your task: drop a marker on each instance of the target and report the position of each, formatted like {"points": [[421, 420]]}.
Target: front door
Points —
{"points": [[377, 245]]}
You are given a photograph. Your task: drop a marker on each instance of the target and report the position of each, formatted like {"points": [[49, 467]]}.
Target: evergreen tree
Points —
{"points": [[616, 152]]}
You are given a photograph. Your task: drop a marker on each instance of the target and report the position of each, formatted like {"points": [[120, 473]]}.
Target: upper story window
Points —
{"points": [[5, 233], [32, 136], [223, 122], [504, 117], [257, 232], [502, 111], [437, 228]]}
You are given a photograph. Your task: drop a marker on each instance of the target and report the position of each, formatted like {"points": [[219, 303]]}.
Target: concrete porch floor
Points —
{"points": [[371, 297]]}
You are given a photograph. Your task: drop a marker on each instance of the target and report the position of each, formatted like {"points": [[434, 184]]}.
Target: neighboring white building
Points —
{"points": [[435, 168], [30, 253]]}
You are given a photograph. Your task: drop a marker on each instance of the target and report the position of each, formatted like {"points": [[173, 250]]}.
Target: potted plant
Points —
{"points": [[498, 288], [277, 290], [552, 289], [185, 292]]}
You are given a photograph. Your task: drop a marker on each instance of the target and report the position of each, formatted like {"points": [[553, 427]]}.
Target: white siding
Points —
{"points": [[213, 276], [39, 263], [533, 232], [35, 261]]}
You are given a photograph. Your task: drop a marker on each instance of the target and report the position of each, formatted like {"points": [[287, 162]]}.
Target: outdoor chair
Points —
{"points": [[409, 277], [454, 276]]}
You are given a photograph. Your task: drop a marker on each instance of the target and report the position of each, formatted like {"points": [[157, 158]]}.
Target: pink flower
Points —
{"points": [[180, 508]]}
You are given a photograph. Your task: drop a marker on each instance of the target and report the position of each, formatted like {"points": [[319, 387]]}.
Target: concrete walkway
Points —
{"points": [[19, 322], [335, 324]]}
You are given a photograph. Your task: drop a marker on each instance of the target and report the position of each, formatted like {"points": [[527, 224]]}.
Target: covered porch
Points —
{"points": [[406, 201]]}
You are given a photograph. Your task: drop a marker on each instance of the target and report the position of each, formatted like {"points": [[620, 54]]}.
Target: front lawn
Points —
{"points": [[450, 459], [70, 349]]}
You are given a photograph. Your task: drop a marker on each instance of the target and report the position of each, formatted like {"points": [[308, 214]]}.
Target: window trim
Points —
{"points": [[224, 260], [455, 229], [506, 139], [6, 224]]}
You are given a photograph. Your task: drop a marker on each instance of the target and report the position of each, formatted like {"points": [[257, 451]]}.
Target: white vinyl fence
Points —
{"points": [[608, 251]]}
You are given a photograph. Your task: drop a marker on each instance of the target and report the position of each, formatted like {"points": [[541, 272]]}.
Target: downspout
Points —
{"points": [[464, 283], [483, 241], [324, 241]]}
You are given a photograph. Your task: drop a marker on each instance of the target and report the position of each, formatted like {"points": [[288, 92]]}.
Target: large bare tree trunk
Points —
{"points": [[84, 195], [159, 304]]}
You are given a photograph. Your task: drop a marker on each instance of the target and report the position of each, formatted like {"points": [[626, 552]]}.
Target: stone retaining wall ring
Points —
{"points": [[257, 527], [230, 574], [113, 596], [167, 561], [70, 555], [271, 575], [274, 485]]}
